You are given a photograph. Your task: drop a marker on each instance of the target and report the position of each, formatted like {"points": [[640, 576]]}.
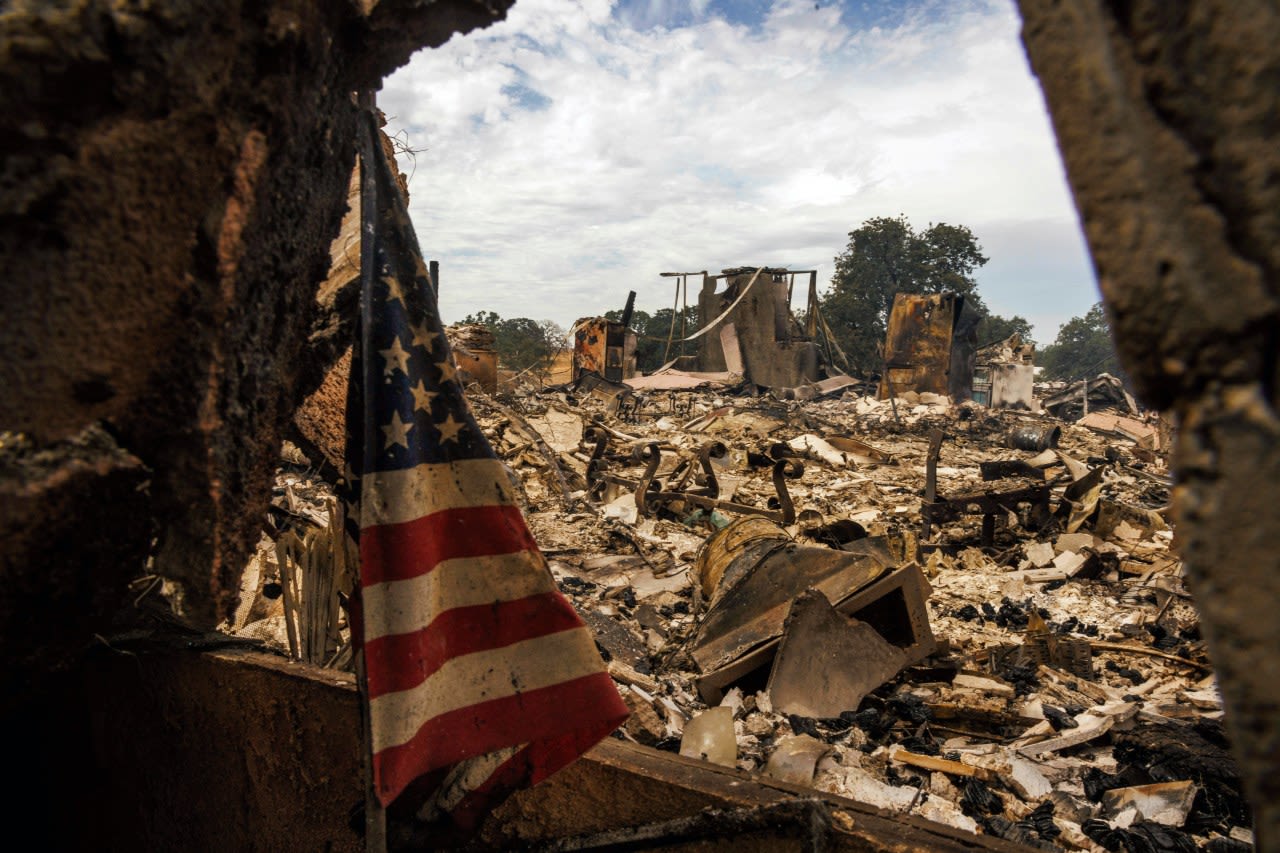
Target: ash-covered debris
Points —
{"points": [[1038, 675]]}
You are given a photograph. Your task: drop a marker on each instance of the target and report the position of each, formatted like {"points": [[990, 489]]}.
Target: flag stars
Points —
{"points": [[422, 397], [449, 428], [395, 357], [448, 370], [396, 432], [425, 338], [394, 293]]}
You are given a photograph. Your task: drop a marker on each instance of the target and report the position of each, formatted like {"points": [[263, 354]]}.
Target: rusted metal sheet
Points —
{"points": [[751, 601], [589, 345], [826, 663], [895, 605], [929, 347], [752, 572], [479, 366], [604, 347], [917, 348]]}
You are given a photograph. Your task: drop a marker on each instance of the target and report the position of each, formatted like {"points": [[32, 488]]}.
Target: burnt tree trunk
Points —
{"points": [[171, 177], [1167, 116]]}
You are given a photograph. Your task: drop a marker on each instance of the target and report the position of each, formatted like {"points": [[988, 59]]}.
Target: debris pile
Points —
{"points": [[968, 614], [473, 349]]}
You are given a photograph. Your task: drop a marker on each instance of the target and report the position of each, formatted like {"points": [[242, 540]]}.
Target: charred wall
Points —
{"points": [[762, 324], [1166, 114], [172, 176], [291, 780]]}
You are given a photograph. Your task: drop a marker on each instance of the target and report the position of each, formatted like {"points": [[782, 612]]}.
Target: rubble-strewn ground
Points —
{"points": [[981, 735]]}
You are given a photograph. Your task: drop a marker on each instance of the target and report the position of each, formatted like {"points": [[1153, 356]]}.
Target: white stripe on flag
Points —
{"points": [[393, 497], [481, 677], [400, 607]]}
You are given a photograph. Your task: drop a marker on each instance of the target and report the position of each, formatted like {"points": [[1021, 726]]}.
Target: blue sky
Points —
{"points": [[579, 148]]}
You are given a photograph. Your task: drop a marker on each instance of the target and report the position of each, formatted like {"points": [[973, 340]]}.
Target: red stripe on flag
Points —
{"points": [[567, 718], [393, 552], [401, 661]]}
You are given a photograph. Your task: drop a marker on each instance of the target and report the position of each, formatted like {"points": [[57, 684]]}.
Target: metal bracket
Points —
{"points": [[649, 497], [938, 510]]}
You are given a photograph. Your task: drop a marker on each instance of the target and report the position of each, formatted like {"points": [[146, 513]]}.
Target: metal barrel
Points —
{"points": [[724, 548], [1034, 437]]}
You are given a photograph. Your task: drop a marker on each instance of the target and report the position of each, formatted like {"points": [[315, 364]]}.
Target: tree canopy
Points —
{"points": [[887, 256], [993, 328], [522, 343], [1083, 348]]}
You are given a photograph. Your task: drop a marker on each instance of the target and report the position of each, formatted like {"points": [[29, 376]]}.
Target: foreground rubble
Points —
{"points": [[1027, 665]]}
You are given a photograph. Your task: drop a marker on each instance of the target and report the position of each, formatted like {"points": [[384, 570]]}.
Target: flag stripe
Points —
{"points": [[579, 710], [404, 661], [396, 552], [475, 679], [394, 497], [401, 607], [478, 675]]}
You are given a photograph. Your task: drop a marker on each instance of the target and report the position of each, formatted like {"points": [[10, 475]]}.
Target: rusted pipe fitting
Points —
{"points": [[1034, 437]]}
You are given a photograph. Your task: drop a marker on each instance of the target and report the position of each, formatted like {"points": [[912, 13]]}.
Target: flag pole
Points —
{"points": [[375, 816]]}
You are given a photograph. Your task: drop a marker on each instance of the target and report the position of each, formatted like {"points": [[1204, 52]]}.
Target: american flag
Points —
{"points": [[480, 677]]}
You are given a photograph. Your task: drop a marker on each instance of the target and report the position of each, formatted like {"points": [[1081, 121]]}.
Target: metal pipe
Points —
{"points": [[671, 332], [629, 310]]}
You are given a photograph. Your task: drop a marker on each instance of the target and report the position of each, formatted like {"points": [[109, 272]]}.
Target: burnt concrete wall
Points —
{"points": [[1167, 116], [237, 750], [761, 321], [171, 176], [220, 751]]}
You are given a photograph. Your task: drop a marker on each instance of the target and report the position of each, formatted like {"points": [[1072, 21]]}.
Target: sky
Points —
{"points": [[577, 149]]}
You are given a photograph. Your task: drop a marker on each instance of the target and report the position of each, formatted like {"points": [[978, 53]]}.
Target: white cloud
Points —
{"points": [[572, 154]]}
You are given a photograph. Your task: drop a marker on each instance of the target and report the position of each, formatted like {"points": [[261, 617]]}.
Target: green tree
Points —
{"points": [[1083, 348], [886, 256], [484, 318], [521, 343], [555, 336], [993, 328]]}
